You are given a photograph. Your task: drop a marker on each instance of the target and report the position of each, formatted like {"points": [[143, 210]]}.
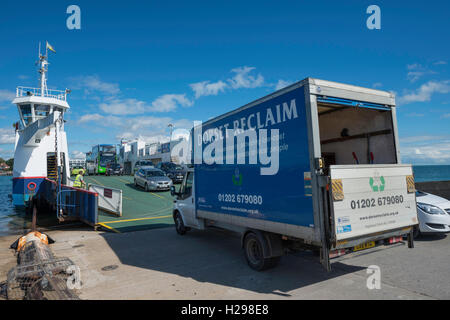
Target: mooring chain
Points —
{"points": [[57, 165]]}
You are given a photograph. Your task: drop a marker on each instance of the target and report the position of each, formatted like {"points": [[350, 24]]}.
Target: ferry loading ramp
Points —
{"points": [[141, 210]]}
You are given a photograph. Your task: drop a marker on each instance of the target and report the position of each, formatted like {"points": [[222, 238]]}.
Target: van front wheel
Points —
{"points": [[254, 254], [179, 224]]}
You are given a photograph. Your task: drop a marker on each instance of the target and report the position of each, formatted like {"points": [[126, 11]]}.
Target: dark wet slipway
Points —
{"points": [[12, 221], [17, 221]]}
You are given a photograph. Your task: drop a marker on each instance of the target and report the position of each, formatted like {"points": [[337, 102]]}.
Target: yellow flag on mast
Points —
{"points": [[49, 46]]}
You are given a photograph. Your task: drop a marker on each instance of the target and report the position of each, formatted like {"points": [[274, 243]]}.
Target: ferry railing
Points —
{"points": [[48, 93], [77, 203], [72, 203], [109, 199]]}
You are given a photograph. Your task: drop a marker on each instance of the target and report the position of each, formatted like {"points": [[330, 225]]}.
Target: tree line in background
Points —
{"points": [[6, 165]]}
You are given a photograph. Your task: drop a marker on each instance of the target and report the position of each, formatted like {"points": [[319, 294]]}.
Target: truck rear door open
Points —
{"points": [[370, 200]]}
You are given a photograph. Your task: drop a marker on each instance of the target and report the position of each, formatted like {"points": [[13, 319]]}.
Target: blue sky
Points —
{"points": [[136, 66]]}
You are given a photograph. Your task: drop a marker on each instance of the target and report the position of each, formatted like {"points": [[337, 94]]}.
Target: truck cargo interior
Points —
{"points": [[356, 135]]}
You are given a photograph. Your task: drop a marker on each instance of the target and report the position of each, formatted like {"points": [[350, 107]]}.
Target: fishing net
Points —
{"points": [[39, 275]]}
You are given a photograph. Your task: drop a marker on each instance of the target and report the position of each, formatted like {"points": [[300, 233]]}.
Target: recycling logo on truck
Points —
{"points": [[237, 178], [377, 184]]}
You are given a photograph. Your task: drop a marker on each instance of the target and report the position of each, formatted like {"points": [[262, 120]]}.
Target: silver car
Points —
{"points": [[151, 178], [433, 213]]}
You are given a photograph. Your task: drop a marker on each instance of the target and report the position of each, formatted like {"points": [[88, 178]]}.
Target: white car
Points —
{"points": [[433, 213]]}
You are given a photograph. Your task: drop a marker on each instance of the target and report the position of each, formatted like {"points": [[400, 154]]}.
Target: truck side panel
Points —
{"points": [[240, 189]]}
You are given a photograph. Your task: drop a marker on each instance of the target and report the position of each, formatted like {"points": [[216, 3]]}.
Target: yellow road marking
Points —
{"points": [[150, 218], [108, 227], [159, 196], [124, 180], [97, 182]]}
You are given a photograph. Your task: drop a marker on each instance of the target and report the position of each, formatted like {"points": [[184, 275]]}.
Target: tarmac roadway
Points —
{"points": [[159, 264]]}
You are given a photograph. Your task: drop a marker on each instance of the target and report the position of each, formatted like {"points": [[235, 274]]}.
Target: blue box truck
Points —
{"points": [[314, 166]]}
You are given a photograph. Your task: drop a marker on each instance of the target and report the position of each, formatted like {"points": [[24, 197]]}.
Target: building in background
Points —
{"points": [[77, 163], [132, 151]]}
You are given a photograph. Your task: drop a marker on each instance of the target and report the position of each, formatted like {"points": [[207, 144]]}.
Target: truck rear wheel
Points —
{"points": [[254, 254], [416, 232]]}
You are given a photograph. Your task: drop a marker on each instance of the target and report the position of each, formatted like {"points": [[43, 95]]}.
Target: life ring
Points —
{"points": [[31, 186]]}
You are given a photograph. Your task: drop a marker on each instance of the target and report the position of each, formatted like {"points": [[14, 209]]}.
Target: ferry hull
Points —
{"points": [[24, 188], [30, 166]]}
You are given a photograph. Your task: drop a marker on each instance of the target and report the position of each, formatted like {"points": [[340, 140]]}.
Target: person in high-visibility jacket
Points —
{"points": [[79, 181]]}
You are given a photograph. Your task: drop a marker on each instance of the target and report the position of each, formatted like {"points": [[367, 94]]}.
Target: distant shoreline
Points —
{"points": [[6, 173], [431, 165]]}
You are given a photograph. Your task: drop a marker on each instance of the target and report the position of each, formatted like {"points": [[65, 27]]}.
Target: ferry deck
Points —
{"points": [[141, 210]]}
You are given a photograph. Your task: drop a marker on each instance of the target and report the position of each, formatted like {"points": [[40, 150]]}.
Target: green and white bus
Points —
{"points": [[103, 155]]}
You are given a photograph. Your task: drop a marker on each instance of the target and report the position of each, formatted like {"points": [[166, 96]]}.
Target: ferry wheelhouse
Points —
{"points": [[41, 150]]}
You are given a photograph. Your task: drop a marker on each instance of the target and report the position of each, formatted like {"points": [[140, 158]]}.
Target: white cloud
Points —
{"points": [[153, 129], [169, 102], [6, 154], [428, 149], [135, 124], [93, 84], [90, 117], [282, 84], [434, 153], [123, 107], [147, 128], [419, 139], [143, 123], [439, 63], [417, 71], [7, 95], [206, 88], [242, 78], [181, 133], [425, 92], [413, 66], [377, 85], [164, 103], [77, 155], [7, 135]]}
